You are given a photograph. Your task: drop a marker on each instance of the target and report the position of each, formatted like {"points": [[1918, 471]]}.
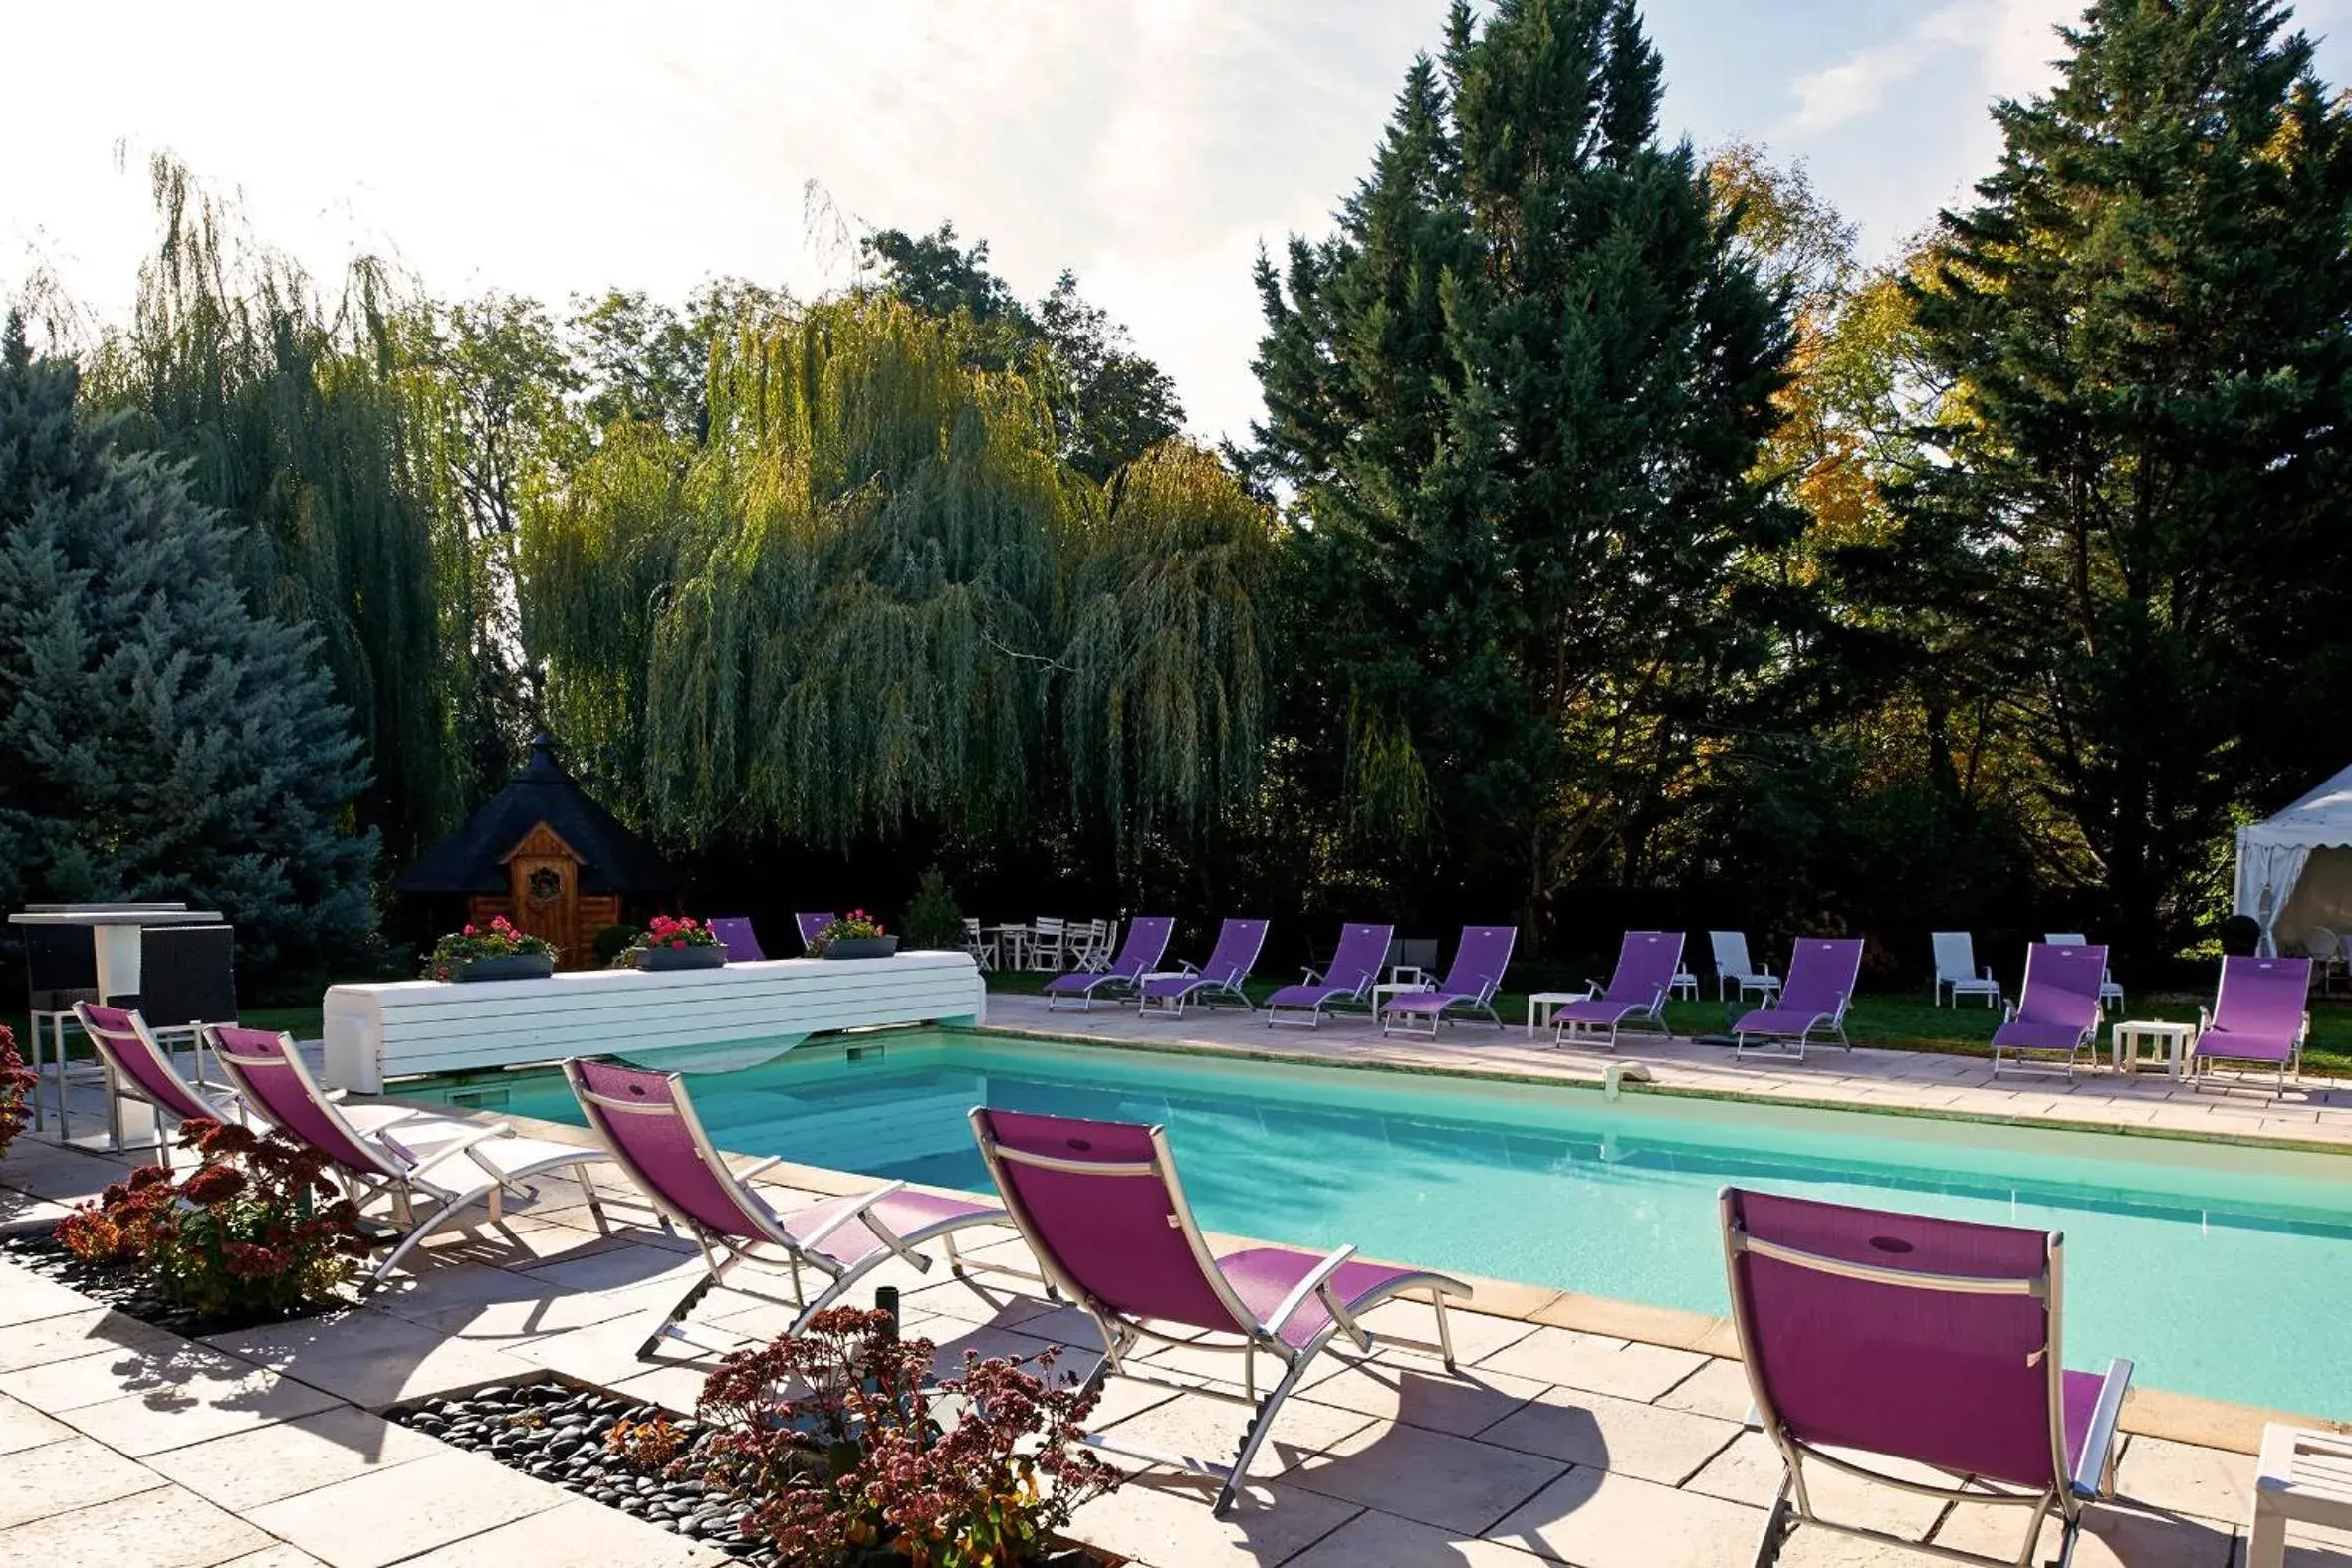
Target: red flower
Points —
{"points": [[248, 1262], [215, 1184]]}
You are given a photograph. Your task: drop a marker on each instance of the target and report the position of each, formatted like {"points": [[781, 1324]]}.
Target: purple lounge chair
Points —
{"points": [[811, 922], [1229, 963], [1471, 983], [1822, 973], [448, 1163], [2259, 1017], [735, 934], [1100, 1206], [1930, 1341], [648, 1126], [138, 1067], [1347, 978], [2058, 1011], [1139, 953], [1646, 967]]}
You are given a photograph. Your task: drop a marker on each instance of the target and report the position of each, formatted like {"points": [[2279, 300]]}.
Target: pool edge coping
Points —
{"points": [[2263, 1141]]}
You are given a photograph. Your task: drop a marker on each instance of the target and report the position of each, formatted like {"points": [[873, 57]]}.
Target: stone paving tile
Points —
{"points": [[277, 1556], [1595, 1519], [2208, 1482], [480, 1303], [1718, 1389], [248, 1468], [2307, 1547], [1602, 1365], [574, 1531], [518, 1241], [1422, 1394], [27, 1297], [1200, 1427], [2112, 1537], [23, 1427], [64, 1385], [1373, 1539], [59, 1477], [617, 1268], [407, 1510], [158, 1420], [84, 1333], [162, 1528], [1161, 1520], [1750, 1472], [1435, 1478], [372, 1358], [1477, 1335], [677, 1388], [1629, 1438]]}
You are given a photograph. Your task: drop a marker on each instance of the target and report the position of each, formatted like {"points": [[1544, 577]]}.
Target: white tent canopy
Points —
{"points": [[2294, 871]]}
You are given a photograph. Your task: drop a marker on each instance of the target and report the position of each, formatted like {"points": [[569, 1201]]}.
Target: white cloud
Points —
{"points": [[2011, 40]]}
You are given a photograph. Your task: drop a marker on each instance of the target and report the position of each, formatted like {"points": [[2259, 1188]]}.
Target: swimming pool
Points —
{"points": [[2214, 1267]]}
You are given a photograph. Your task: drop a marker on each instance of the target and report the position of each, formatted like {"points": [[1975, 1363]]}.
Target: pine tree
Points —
{"points": [[1518, 395], [2135, 528], [158, 738]]}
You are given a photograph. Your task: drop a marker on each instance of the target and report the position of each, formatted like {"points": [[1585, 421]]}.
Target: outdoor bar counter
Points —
{"points": [[382, 1031]]}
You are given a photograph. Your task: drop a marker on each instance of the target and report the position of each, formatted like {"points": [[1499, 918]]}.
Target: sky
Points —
{"points": [[553, 148]]}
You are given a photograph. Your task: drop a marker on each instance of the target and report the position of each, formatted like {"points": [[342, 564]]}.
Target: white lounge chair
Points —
{"points": [[1733, 968], [1957, 972]]}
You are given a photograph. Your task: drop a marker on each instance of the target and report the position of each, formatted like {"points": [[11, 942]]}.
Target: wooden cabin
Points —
{"points": [[548, 858]]}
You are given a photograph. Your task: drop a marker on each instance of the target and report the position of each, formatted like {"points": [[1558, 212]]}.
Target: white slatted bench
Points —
{"points": [[2302, 1478], [376, 1033]]}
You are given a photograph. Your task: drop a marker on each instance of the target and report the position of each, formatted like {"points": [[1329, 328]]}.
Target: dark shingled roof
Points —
{"points": [[473, 859]]}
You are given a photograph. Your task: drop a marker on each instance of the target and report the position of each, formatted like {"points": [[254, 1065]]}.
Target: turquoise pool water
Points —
{"points": [[2222, 1271]]}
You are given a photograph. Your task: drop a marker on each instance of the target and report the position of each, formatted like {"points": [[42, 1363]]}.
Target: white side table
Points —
{"points": [[1542, 1004], [2302, 1478], [2160, 1044]]}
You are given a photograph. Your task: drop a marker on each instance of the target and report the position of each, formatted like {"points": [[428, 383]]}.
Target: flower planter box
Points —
{"points": [[681, 958], [859, 948], [514, 966]]}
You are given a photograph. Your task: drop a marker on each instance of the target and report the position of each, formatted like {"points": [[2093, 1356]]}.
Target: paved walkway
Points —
{"points": [[2318, 1113], [126, 1446]]}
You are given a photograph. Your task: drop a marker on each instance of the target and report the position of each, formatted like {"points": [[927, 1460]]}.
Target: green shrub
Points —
{"points": [[933, 919]]}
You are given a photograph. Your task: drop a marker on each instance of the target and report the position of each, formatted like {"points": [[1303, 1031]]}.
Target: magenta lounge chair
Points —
{"points": [[1636, 993], [1146, 943], [1471, 983], [1100, 1206], [2259, 1018], [1229, 961], [1822, 973], [809, 923], [2058, 1013], [139, 1068], [1932, 1341], [648, 1125], [445, 1164], [735, 934], [1347, 978]]}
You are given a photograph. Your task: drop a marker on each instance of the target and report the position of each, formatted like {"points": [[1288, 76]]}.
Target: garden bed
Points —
{"points": [[562, 1434], [122, 1288]]}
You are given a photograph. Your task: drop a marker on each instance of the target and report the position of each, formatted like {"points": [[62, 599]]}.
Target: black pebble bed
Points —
{"points": [[121, 1289], [558, 1432]]}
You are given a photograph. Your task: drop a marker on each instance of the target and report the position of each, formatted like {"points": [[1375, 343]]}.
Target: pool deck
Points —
{"points": [[1596, 1434], [2315, 1114]]}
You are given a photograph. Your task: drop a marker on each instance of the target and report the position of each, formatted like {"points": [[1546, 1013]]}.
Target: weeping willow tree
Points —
{"points": [[289, 419], [874, 596]]}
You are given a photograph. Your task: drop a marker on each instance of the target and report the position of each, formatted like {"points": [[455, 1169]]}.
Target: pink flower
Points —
{"points": [[469, 931]]}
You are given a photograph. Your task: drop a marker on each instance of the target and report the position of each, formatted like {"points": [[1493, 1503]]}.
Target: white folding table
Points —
{"points": [[114, 941]]}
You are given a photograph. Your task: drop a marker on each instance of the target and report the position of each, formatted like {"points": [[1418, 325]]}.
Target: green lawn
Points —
{"points": [[1904, 1021]]}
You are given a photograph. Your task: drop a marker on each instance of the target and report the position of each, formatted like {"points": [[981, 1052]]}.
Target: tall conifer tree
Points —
{"points": [[1518, 395], [2137, 534], [156, 736]]}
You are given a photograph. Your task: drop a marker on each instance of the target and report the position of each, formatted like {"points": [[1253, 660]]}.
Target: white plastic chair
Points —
{"points": [[2109, 991], [1048, 943], [1957, 972], [981, 947], [2326, 949], [1734, 968]]}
